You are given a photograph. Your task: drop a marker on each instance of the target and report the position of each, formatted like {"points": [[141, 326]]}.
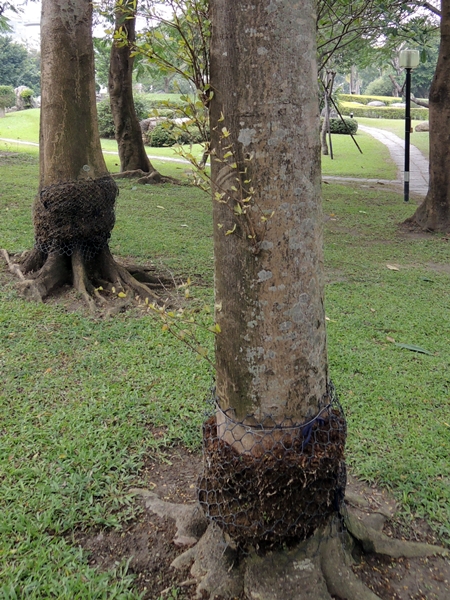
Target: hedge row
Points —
{"points": [[382, 112], [388, 100]]}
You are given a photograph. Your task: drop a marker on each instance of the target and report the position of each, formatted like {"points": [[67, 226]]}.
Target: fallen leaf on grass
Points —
{"points": [[414, 349], [389, 339], [392, 268]]}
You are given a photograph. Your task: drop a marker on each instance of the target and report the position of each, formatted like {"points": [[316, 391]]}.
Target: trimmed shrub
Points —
{"points": [[162, 135], [349, 126], [27, 97], [382, 86], [105, 119], [169, 134], [7, 96]]}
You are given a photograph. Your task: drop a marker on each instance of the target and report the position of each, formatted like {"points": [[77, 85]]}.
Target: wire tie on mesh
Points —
{"points": [[252, 428]]}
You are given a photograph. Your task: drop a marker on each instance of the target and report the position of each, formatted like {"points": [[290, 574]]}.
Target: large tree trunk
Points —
{"points": [[131, 147], [74, 209], [273, 402], [434, 213], [271, 355]]}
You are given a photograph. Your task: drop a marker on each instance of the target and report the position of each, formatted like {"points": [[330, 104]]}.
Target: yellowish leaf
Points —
{"points": [[230, 231], [392, 268], [122, 295]]}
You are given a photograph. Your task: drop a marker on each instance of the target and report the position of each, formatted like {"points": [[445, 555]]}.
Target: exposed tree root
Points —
{"points": [[93, 278], [376, 542], [317, 569], [13, 267], [336, 568], [146, 178], [53, 274]]}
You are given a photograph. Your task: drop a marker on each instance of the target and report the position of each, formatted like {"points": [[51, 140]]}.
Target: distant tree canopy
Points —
{"points": [[19, 66]]}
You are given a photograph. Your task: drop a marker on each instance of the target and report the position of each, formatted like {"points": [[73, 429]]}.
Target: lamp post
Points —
{"points": [[409, 59]]}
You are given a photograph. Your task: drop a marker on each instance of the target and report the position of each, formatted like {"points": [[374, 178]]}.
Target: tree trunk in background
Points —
{"points": [[354, 83], [73, 212], [434, 213], [69, 141], [128, 132]]}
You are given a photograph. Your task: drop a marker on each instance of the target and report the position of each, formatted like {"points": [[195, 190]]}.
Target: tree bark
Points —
{"points": [[434, 213], [271, 354], [131, 147], [69, 141]]}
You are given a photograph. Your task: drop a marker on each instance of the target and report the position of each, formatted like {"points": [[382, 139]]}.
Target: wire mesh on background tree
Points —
{"points": [[75, 214]]}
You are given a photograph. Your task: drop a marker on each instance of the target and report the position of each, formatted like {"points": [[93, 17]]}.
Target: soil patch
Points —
{"points": [[411, 230], [148, 543]]}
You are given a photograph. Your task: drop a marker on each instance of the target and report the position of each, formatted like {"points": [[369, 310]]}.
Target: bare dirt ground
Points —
{"points": [[148, 543]]}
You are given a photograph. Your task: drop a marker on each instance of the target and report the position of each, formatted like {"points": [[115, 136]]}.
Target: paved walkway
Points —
{"points": [[418, 163]]}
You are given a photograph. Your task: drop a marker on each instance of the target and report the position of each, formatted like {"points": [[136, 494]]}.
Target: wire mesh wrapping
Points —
{"points": [[75, 214], [281, 484]]}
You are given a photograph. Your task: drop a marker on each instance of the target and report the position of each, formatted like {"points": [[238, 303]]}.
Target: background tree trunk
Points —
{"points": [[69, 141], [434, 213], [128, 132]]}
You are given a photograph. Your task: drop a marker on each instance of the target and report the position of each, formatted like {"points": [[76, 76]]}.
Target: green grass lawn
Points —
{"points": [[80, 396], [373, 163]]}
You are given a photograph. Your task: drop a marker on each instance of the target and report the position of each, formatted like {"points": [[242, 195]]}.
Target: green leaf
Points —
{"points": [[414, 349]]}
